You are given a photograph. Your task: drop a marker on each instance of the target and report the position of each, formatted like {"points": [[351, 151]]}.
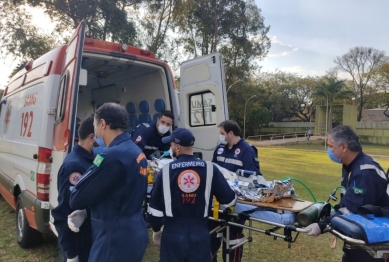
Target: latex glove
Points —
{"points": [[75, 220], [157, 237], [315, 230], [72, 259]]}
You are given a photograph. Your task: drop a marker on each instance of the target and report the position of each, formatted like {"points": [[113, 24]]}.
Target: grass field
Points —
{"points": [[308, 163]]}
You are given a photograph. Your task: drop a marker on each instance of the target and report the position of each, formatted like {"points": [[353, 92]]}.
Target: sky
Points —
{"points": [[306, 35]]}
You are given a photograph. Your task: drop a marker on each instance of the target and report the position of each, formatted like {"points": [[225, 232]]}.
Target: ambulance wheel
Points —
{"points": [[25, 235]]}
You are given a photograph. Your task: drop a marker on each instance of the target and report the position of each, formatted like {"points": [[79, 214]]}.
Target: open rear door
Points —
{"points": [[203, 101], [65, 119]]}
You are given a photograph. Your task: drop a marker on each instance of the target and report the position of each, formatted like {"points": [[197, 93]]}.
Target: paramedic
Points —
{"points": [[74, 246], [182, 194], [233, 153], [114, 188], [148, 136], [363, 178]]}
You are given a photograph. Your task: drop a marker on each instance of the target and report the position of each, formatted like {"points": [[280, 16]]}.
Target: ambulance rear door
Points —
{"points": [[203, 101], [65, 119]]}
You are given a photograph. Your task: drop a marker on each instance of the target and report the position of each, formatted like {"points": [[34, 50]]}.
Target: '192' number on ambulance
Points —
{"points": [[27, 119]]}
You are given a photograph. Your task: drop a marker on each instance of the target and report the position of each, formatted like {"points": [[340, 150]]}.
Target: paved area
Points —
{"points": [[280, 141]]}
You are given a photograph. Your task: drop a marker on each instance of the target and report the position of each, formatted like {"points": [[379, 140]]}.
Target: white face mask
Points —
{"points": [[163, 129], [171, 154], [222, 140]]}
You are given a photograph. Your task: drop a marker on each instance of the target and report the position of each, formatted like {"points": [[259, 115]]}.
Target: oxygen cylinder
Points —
{"points": [[309, 215]]}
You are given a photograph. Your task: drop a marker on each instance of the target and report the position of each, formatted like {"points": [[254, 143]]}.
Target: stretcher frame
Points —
{"points": [[226, 222], [376, 251], [281, 204]]}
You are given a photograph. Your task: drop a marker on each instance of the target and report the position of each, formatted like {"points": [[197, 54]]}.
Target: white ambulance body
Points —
{"points": [[44, 102]]}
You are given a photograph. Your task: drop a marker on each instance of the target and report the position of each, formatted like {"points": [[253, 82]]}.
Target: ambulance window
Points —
{"points": [[61, 100], [202, 109]]}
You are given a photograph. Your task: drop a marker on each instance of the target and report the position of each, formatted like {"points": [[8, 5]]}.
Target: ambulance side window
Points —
{"points": [[61, 100], [202, 109]]}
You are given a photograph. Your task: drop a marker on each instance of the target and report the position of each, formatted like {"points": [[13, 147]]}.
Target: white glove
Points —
{"points": [[75, 220], [315, 230], [157, 237], [72, 259]]}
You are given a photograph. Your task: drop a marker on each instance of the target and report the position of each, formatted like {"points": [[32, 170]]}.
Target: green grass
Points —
{"points": [[299, 161]]}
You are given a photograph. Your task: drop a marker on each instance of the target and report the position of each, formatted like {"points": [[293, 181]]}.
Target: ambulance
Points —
{"points": [[43, 104]]}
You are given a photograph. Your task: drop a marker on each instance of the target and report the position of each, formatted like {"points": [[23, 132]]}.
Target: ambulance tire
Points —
{"points": [[25, 235]]}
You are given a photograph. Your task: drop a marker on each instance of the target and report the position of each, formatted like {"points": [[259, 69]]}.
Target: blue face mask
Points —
{"points": [[333, 157], [98, 149], [99, 140]]}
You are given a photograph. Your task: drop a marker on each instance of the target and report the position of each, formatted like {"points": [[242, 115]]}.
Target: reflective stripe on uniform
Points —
{"points": [[154, 212], [232, 203], [220, 158], [166, 190], [233, 161], [208, 186], [379, 172], [151, 147]]}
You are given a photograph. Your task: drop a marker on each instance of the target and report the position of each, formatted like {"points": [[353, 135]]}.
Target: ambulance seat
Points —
{"points": [[159, 106], [132, 118], [144, 108]]}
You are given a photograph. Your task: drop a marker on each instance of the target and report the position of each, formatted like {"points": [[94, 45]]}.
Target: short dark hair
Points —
{"points": [[167, 113], [114, 115], [86, 128], [345, 134], [230, 125]]}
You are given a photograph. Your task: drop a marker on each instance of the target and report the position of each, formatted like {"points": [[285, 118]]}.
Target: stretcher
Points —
{"points": [[374, 240], [280, 214]]}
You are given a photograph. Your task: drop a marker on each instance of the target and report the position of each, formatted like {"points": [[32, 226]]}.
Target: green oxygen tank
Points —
{"points": [[309, 215]]}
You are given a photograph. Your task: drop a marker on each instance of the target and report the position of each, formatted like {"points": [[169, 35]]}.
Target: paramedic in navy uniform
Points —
{"points": [[148, 136], [114, 188], [182, 194], [74, 246], [363, 178], [233, 153]]}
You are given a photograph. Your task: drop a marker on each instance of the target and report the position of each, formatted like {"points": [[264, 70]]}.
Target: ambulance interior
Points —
{"points": [[142, 88]]}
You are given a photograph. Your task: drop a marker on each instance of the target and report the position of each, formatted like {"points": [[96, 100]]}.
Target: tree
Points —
{"points": [[105, 19], [360, 63], [256, 118], [233, 27], [286, 95], [155, 27], [331, 88], [19, 37]]}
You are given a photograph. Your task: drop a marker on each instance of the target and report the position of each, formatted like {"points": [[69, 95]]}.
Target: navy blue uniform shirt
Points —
{"points": [[365, 183], [148, 139], [241, 156], [114, 189], [74, 165], [190, 194]]}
